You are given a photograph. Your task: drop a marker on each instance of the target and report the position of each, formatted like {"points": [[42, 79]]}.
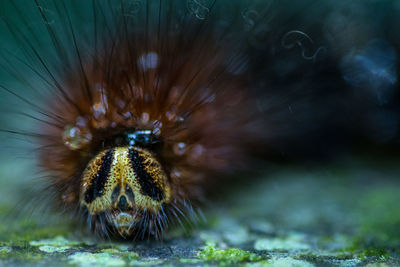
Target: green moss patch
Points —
{"points": [[21, 233], [19, 254], [226, 256]]}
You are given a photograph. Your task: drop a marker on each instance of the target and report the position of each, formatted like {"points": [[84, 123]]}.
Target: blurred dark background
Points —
{"points": [[339, 60]]}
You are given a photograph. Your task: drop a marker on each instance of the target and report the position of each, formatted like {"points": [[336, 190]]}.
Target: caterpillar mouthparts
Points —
{"points": [[143, 104]]}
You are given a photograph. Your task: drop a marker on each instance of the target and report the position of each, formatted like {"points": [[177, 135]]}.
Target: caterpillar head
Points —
{"points": [[126, 185]]}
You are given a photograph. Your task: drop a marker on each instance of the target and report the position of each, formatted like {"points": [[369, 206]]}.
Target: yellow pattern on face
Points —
{"points": [[124, 183]]}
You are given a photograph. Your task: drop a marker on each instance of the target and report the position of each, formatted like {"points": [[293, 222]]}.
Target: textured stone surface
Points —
{"points": [[338, 214]]}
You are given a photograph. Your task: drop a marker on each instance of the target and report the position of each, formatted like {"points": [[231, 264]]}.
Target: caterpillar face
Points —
{"points": [[124, 183]]}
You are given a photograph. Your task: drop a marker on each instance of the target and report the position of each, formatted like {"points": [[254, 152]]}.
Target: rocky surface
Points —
{"points": [[338, 214]]}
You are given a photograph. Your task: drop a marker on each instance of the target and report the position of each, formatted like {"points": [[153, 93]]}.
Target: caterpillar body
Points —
{"points": [[142, 105]]}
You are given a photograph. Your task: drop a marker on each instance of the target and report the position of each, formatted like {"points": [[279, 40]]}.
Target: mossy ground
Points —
{"points": [[342, 215]]}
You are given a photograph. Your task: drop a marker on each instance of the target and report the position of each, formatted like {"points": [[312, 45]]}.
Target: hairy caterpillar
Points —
{"points": [[144, 103]]}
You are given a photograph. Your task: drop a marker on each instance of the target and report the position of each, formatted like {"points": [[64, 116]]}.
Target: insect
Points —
{"points": [[143, 103]]}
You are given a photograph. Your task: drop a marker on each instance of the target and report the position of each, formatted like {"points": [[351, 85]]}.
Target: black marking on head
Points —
{"points": [[146, 181], [129, 193], [115, 193], [96, 189]]}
